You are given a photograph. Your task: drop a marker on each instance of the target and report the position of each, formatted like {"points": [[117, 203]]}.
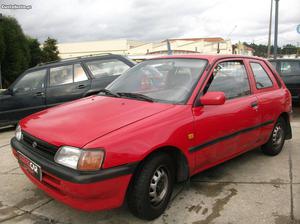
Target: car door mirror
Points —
{"points": [[9, 91], [213, 98]]}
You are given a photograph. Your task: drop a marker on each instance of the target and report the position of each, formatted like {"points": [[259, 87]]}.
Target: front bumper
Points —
{"points": [[88, 191]]}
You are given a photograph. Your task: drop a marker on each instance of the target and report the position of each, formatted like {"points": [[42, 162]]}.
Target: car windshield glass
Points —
{"points": [[161, 80]]}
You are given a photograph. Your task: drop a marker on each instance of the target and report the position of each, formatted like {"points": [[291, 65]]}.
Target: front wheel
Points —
{"points": [[152, 186], [276, 141]]}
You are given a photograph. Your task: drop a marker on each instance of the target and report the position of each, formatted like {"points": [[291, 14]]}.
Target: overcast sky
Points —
{"points": [[85, 20]]}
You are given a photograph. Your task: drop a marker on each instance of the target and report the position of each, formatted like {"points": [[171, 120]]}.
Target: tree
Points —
{"points": [[261, 49], [18, 52], [50, 51], [289, 49], [35, 51], [15, 51]]}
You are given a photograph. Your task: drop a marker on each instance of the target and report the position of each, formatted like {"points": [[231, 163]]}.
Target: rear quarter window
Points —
{"points": [[262, 79], [109, 67]]}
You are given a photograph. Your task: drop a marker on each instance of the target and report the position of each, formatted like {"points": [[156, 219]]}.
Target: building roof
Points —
{"points": [[206, 39]]}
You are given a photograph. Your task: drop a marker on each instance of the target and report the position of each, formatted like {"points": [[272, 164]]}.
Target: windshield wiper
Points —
{"points": [[136, 96], [108, 92]]}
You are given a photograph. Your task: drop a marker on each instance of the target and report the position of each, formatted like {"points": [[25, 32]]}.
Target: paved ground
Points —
{"points": [[252, 188]]}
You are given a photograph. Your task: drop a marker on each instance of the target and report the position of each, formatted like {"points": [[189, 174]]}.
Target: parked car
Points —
{"points": [[54, 83], [159, 123], [289, 70]]}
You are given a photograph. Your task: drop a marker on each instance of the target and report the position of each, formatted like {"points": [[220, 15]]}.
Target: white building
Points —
{"points": [[132, 48]]}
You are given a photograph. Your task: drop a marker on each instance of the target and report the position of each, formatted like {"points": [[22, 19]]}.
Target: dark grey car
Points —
{"points": [[51, 84], [289, 70]]}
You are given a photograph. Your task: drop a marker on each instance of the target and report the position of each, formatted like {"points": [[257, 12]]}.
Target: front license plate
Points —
{"points": [[34, 169]]}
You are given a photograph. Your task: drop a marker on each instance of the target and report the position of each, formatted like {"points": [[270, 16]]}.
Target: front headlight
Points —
{"points": [[78, 159], [18, 133]]}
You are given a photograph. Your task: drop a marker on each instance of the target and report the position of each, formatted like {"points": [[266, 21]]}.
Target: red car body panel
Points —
{"points": [[82, 116], [130, 130], [96, 196]]}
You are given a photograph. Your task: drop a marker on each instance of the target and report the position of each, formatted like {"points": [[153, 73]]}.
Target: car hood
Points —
{"points": [[80, 122]]}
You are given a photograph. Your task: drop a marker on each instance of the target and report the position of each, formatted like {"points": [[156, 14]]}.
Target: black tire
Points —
{"points": [[276, 141], [139, 201]]}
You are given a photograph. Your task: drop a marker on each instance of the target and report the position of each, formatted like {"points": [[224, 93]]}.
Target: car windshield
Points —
{"points": [[161, 80]]}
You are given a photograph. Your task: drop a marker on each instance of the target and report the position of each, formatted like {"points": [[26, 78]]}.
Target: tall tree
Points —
{"points": [[289, 49], [15, 50], [50, 50], [261, 49], [35, 51]]}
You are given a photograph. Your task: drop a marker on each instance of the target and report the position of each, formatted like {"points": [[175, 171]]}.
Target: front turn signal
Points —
{"points": [[90, 160]]}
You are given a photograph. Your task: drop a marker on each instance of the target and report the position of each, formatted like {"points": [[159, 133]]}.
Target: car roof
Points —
{"points": [[209, 57], [78, 59]]}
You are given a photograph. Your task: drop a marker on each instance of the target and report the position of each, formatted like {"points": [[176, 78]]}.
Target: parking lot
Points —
{"points": [[252, 188]]}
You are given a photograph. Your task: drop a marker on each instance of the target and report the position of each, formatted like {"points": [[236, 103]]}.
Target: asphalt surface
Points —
{"points": [[252, 188]]}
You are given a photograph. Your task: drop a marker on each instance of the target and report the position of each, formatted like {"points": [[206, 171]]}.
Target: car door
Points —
{"points": [[24, 97], [104, 71], [223, 131], [66, 83]]}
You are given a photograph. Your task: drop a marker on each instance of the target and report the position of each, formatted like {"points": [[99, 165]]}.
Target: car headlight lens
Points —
{"points": [[18, 133], [78, 159]]}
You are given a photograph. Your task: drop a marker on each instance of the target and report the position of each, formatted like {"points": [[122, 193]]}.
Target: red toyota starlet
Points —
{"points": [[161, 122]]}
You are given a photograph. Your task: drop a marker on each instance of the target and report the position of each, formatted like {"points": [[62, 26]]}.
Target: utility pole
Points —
{"points": [[270, 30], [276, 28], [169, 47]]}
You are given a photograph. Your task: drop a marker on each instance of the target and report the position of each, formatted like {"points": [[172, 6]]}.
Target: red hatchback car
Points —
{"points": [[161, 122]]}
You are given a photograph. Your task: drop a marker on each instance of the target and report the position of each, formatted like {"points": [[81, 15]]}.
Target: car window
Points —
{"points": [[31, 81], [231, 78], [100, 68], [61, 75], [274, 64], [79, 73], [288, 68], [262, 78]]}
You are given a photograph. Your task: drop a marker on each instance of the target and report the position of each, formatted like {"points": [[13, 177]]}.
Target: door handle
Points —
{"points": [[39, 94], [81, 86], [254, 104]]}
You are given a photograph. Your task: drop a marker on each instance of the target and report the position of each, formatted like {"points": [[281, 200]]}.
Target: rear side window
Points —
{"points": [[262, 78], [67, 74], [31, 81], [101, 68], [79, 73], [61, 75], [231, 78], [289, 68]]}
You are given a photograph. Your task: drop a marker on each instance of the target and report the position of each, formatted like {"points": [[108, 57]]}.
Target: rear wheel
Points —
{"points": [[276, 141], [152, 186]]}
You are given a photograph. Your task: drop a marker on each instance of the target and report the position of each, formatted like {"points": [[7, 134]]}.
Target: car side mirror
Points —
{"points": [[8, 92], [213, 98]]}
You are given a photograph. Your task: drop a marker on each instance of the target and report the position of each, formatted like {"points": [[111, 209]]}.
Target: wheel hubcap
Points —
{"points": [[277, 136], [158, 186]]}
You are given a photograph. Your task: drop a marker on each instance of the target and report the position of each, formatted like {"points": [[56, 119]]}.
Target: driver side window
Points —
{"points": [[231, 78], [31, 81]]}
